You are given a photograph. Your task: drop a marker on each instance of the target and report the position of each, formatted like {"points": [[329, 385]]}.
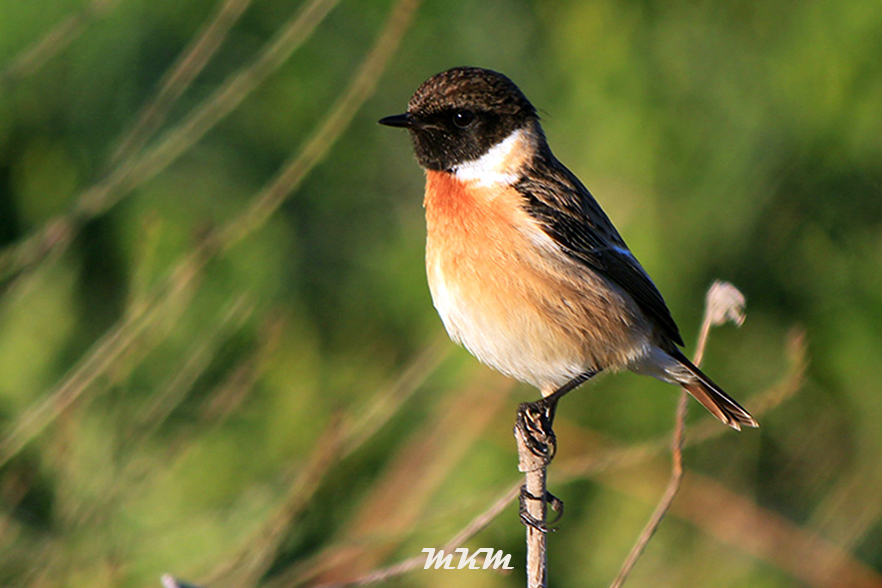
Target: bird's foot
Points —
{"points": [[533, 427], [555, 503]]}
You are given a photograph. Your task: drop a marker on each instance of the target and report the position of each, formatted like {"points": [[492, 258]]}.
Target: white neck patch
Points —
{"points": [[501, 164]]}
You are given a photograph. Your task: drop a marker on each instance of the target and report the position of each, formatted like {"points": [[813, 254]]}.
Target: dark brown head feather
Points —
{"points": [[472, 88], [459, 114]]}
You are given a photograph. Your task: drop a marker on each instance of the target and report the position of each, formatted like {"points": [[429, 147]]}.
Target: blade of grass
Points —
{"points": [[771, 537], [399, 498], [168, 302], [171, 393], [58, 233], [179, 77], [54, 42], [335, 122], [247, 566], [385, 405]]}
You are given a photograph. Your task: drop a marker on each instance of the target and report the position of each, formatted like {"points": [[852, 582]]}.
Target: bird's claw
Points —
{"points": [[534, 421], [555, 503]]}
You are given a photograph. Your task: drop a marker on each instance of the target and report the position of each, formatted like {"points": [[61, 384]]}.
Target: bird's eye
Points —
{"points": [[463, 118]]}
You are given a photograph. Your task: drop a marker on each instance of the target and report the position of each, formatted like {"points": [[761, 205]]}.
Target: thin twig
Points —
{"points": [[170, 299], [737, 521], [577, 468], [336, 121], [54, 42], [723, 303], [250, 564], [667, 498], [179, 77], [221, 103], [58, 233]]}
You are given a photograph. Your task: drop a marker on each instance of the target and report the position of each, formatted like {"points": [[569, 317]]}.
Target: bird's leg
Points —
{"points": [[536, 447], [535, 420]]}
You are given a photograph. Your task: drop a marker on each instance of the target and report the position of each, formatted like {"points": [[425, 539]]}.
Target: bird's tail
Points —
{"points": [[704, 390]]}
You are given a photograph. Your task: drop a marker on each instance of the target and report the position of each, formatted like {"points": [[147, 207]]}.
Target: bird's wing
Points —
{"points": [[569, 214]]}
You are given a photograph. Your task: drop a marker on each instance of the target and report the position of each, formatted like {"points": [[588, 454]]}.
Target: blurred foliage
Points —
{"points": [[283, 409]]}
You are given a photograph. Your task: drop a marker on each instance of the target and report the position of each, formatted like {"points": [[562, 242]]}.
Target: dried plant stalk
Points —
{"points": [[536, 506], [723, 303]]}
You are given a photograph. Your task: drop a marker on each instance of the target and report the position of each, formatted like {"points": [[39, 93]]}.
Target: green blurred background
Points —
{"points": [[246, 392]]}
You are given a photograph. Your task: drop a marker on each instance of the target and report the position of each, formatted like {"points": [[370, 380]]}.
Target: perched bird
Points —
{"points": [[525, 268]]}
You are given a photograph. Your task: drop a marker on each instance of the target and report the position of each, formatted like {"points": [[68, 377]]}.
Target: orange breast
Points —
{"points": [[469, 224], [507, 293]]}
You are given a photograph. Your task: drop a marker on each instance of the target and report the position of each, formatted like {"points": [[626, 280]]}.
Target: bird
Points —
{"points": [[525, 269]]}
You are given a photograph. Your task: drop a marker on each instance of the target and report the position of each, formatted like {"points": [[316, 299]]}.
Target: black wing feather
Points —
{"points": [[571, 216]]}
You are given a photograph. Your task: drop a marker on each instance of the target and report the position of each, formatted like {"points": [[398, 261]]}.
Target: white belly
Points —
{"points": [[511, 336]]}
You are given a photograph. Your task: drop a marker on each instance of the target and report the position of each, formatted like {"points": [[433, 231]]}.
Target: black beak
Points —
{"points": [[405, 121]]}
